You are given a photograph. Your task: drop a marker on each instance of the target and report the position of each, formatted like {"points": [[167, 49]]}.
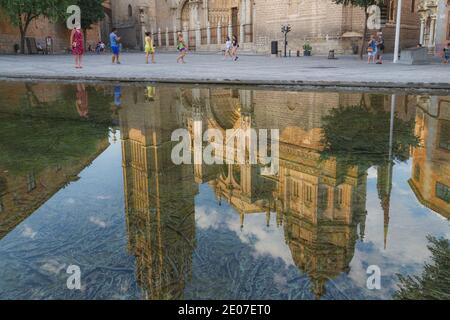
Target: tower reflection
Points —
{"points": [[319, 200], [159, 196]]}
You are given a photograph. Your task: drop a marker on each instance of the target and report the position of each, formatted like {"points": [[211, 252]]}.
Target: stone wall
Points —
{"points": [[40, 29], [319, 22]]}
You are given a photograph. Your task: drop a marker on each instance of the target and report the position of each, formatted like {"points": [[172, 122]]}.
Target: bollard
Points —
{"points": [[331, 55]]}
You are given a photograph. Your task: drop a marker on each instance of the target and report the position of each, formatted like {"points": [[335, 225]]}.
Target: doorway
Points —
{"points": [[235, 21]]}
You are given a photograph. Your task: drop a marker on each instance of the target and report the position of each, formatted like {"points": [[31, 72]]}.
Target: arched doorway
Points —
{"points": [[188, 23]]}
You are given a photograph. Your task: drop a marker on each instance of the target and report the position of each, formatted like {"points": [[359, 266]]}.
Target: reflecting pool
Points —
{"points": [[87, 179]]}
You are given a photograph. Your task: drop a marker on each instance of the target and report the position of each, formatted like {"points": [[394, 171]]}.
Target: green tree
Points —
{"points": [[364, 4], [92, 11], [23, 12], [359, 135], [434, 282]]}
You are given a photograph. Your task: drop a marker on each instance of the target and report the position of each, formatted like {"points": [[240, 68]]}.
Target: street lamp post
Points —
{"points": [[285, 30], [397, 30]]}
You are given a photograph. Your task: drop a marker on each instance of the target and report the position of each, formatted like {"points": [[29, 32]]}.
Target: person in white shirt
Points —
{"points": [[228, 48]]}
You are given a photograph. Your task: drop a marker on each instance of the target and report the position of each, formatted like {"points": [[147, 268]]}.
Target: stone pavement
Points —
{"points": [[347, 71]]}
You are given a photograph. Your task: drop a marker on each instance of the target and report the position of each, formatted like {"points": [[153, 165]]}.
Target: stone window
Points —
{"points": [[295, 189], [130, 10], [308, 194], [1, 205], [392, 10], [339, 198], [443, 192], [413, 6], [323, 198], [417, 173], [444, 136]]}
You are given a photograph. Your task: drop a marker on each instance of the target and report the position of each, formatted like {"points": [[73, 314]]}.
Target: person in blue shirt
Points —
{"points": [[117, 96], [372, 50], [446, 54], [115, 48]]}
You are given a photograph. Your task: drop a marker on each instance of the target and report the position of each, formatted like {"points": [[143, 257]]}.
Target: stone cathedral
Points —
{"points": [[206, 23]]}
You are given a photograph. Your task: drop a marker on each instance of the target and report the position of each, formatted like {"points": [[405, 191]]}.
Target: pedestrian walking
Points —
{"points": [[149, 47], [114, 40], [371, 50], [77, 44], [182, 48], [235, 45], [446, 54], [380, 48], [228, 49]]}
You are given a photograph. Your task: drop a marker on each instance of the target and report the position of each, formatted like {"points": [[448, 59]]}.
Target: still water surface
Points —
{"points": [[86, 179]]}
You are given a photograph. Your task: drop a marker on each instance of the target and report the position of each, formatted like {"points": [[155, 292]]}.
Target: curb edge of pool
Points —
{"points": [[418, 86]]}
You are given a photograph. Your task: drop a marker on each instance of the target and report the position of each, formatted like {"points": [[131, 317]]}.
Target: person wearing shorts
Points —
{"points": [[380, 48], [149, 47], [371, 50], [181, 48], [446, 54], [115, 48], [228, 48]]}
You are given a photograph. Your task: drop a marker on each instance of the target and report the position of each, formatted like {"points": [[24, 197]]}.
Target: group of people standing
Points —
{"points": [[375, 49], [77, 45]]}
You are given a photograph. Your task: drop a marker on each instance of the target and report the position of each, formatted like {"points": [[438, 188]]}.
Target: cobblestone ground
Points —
{"points": [[211, 68]]}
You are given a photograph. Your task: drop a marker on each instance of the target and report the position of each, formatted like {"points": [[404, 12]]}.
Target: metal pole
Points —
{"points": [[397, 30], [391, 128]]}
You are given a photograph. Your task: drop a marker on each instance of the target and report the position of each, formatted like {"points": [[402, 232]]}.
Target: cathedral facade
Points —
{"points": [[257, 23], [434, 24]]}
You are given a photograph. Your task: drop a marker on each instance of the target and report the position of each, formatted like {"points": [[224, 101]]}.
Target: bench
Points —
{"points": [[33, 47]]}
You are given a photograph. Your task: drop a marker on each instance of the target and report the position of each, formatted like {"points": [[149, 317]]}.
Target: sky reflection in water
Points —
{"points": [[86, 179]]}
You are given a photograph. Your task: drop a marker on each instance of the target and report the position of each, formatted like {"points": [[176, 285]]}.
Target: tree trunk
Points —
{"points": [[22, 41], [364, 39], [23, 31], [22, 35], [84, 39]]}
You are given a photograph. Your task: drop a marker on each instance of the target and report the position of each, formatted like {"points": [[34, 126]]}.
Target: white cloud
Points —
{"points": [[28, 232], [98, 222], [53, 266]]}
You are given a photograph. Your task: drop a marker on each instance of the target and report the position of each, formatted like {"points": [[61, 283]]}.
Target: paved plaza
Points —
{"points": [[347, 71]]}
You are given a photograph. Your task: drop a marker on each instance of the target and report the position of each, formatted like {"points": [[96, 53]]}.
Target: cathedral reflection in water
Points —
{"points": [[320, 202]]}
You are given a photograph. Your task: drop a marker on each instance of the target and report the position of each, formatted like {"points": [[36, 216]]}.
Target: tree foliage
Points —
{"points": [[434, 282], [22, 12], [364, 4], [92, 11], [359, 135]]}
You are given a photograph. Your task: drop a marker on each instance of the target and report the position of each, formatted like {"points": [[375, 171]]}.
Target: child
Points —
{"points": [[149, 48], [372, 50], [181, 48]]}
